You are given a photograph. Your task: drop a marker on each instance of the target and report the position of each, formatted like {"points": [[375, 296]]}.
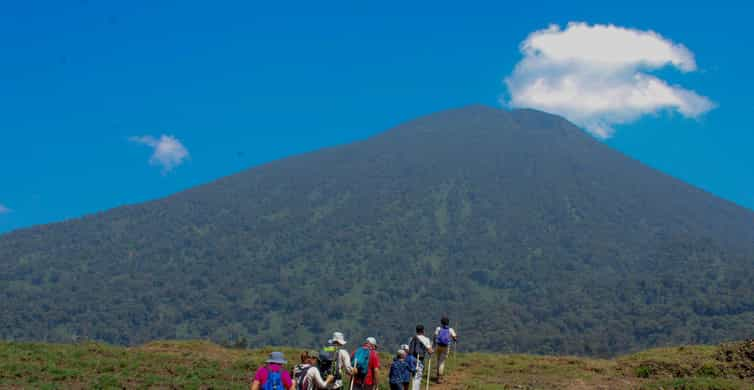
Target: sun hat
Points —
{"points": [[337, 337], [372, 340], [277, 357], [404, 347]]}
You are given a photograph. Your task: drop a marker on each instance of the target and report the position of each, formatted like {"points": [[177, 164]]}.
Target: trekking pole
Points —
{"points": [[429, 370], [451, 343], [352, 374], [413, 376]]}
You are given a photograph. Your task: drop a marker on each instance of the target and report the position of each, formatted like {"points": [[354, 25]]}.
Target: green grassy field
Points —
{"points": [[198, 364]]}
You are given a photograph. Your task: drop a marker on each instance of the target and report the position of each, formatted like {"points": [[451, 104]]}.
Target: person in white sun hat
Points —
{"points": [[341, 366], [367, 363]]}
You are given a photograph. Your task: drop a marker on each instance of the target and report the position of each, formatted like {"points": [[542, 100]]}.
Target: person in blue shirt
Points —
{"points": [[400, 373], [410, 359]]}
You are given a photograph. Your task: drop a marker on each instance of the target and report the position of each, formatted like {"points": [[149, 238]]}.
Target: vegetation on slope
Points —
{"points": [[195, 364], [515, 222]]}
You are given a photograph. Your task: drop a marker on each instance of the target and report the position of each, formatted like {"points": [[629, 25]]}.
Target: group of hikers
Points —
{"points": [[330, 367]]}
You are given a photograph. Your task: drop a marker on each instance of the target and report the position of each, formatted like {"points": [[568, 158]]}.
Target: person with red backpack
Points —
{"points": [[366, 361], [444, 336], [272, 376]]}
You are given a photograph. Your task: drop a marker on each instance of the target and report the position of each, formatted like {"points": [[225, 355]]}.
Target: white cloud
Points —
{"points": [[596, 76], [3, 209], [168, 153]]}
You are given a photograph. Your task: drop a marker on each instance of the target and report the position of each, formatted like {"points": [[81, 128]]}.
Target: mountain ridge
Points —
{"points": [[478, 107], [516, 221]]}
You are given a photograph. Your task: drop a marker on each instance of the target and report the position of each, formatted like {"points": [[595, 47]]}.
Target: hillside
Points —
{"points": [[533, 236], [196, 364]]}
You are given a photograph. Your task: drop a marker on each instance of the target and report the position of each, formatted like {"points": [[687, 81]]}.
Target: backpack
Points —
{"points": [[361, 360], [399, 372], [329, 365], [274, 380], [416, 348], [300, 375], [443, 337]]}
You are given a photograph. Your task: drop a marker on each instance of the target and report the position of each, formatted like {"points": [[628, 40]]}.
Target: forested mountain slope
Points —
{"points": [[533, 237]]}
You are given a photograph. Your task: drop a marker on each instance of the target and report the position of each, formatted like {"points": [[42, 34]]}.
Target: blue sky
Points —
{"points": [[87, 86]]}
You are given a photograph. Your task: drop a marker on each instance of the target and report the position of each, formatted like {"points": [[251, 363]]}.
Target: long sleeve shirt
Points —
{"points": [[344, 363], [312, 380]]}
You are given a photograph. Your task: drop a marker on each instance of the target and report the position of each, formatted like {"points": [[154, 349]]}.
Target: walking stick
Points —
{"points": [[415, 370], [353, 376], [453, 342], [429, 370]]}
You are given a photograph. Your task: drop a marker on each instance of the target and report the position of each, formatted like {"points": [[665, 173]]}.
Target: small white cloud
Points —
{"points": [[595, 75], [168, 153], [4, 210]]}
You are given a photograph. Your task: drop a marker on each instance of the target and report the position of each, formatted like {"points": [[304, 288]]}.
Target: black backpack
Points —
{"points": [[328, 364], [300, 378], [416, 348]]}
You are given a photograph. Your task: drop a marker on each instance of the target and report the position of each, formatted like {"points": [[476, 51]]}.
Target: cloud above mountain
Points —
{"points": [[168, 151], [598, 76]]}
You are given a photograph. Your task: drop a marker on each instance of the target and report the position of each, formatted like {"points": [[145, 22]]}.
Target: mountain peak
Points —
{"points": [[513, 220]]}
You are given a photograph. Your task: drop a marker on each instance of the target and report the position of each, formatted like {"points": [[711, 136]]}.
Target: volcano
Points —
{"points": [[530, 234]]}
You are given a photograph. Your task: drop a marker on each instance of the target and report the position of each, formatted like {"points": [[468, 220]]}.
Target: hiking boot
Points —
{"points": [[438, 380]]}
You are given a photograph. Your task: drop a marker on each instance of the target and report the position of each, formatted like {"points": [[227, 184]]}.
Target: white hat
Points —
{"points": [[337, 337], [404, 347], [372, 340]]}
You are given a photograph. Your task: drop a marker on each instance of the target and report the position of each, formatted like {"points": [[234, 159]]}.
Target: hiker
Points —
{"points": [[444, 336], [308, 377], [304, 357], [410, 359], [400, 373], [272, 376], [341, 363], [419, 347], [366, 361], [302, 365]]}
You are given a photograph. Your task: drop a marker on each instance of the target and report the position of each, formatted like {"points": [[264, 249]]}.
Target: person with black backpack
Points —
{"points": [[341, 362], [419, 347], [308, 375], [444, 336], [303, 365]]}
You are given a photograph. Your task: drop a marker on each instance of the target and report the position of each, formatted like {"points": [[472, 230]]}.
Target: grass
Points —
{"points": [[202, 365]]}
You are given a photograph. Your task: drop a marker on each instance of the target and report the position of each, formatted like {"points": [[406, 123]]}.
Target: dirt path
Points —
{"points": [[455, 377]]}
